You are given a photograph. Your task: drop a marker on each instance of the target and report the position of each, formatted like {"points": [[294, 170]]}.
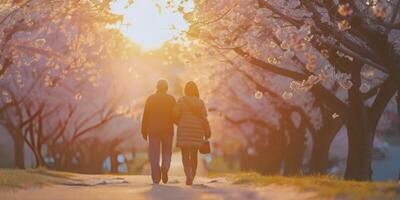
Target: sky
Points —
{"points": [[148, 27]]}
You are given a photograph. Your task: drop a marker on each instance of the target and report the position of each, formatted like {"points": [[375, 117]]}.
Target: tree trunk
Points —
{"points": [[274, 154], [243, 160], [398, 102], [40, 156], [114, 162], [360, 136], [295, 149], [362, 125], [19, 156], [39, 159], [66, 161], [247, 161], [360, 151], [319, 162], [295, 155]]}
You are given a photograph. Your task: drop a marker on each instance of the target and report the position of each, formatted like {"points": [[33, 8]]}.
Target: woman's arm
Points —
{"points": [[177, 112], [203, 110], [204, 114]]}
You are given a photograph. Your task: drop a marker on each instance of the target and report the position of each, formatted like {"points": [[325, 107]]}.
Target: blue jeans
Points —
{"points": [[157, 143]]}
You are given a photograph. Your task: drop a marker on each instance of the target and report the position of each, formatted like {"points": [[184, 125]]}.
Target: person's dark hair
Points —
{"points": [[162, 85], [191, 89]]}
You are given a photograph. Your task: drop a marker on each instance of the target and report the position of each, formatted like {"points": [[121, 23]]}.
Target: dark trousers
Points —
{"points": [[159, 143], [189, 160]]}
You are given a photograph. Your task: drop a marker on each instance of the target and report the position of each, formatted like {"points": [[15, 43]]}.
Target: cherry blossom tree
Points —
{"points": [[51, 50], [343, 54]]}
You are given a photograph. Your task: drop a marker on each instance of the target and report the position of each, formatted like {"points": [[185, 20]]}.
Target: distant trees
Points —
{"points": [[343, 55], [75, 143], [53, 54], [270, 145]]}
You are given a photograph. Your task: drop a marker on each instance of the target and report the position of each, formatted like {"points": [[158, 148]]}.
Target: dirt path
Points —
{"points": [[101, 187]]}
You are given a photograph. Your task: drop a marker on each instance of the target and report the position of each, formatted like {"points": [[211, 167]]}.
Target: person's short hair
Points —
{"points": [[191, 89], [162, 85]]}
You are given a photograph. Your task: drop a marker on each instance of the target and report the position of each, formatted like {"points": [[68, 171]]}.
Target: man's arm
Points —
{"points": [[176, 112], [145, 119], [173, 101]]}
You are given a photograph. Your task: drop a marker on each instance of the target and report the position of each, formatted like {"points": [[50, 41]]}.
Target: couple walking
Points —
{"points": [[160, 114]]}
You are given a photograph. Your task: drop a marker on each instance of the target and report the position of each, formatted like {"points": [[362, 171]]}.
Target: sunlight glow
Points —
{"points": [[149, 23]]}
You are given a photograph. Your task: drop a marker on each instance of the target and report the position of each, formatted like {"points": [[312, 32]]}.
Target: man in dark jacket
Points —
{"points": [[158, 128]]}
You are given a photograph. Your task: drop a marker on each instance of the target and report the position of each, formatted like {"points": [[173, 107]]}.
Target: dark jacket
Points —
{"points": [[191, 131], [157, 115]]}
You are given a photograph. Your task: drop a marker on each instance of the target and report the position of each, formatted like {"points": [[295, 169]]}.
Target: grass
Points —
{"points": [[19, 179], [325, 186]]}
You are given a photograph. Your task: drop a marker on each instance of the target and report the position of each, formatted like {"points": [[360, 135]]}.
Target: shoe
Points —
{"points": [[189, 181], [164, 175], [156, 178]]}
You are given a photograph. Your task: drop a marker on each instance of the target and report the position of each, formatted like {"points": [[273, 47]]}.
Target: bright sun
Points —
{"points": [[148, 26]]}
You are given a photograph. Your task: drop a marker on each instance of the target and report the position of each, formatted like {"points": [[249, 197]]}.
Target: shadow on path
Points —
{"points": [[169, 192], [198, 192]]}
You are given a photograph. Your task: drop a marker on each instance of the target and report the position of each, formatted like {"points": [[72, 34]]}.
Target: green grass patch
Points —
{"points": [[20, 179], [325, 186], [51, 173]]}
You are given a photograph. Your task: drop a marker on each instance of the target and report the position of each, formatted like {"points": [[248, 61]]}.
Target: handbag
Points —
{"points": [[205, 148]]}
